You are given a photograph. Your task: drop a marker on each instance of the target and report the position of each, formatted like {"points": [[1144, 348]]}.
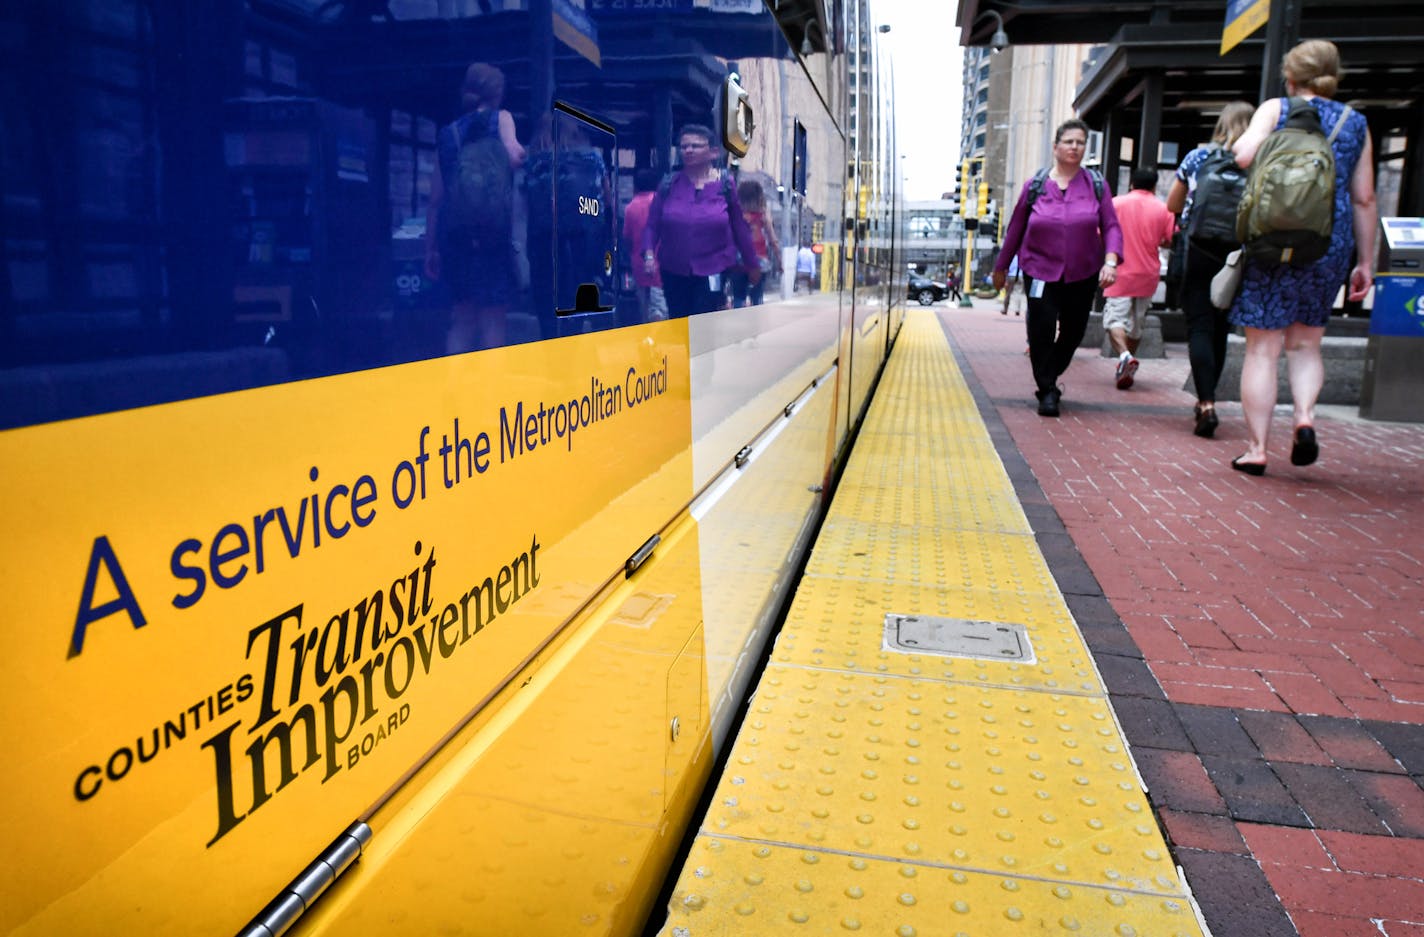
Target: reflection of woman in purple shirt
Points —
{"points": [[1068, 244], [696, 228]]}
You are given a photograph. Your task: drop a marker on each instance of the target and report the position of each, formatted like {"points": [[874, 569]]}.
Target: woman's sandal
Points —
{"points": [[1305, 449], [1250, 468]]}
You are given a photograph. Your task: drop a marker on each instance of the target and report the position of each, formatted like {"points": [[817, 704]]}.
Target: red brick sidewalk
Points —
{"points": [[1271, 672]]}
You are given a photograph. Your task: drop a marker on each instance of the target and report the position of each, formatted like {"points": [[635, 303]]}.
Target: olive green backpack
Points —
{"points": [[1287, 211]]}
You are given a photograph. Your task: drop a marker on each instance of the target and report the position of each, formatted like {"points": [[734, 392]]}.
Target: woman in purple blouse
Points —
{"points": [[1068, 243], [696, 230]]}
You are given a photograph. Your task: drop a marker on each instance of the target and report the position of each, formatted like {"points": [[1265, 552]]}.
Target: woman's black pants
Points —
{"points": [[1056, 322], [689, 295], [1207, 328]]}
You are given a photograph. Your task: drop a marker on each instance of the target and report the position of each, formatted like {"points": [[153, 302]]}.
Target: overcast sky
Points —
{"points": [[924, 45]]}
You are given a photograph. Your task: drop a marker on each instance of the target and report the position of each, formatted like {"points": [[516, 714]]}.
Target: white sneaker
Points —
{"points": [[1126, 368]]}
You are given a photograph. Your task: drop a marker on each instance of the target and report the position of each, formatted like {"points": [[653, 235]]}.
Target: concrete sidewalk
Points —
{"points": [[1263, 638]]}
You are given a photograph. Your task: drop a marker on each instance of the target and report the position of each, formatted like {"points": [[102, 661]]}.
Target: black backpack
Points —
{"points": [[1035, 185], [1220, 183]]}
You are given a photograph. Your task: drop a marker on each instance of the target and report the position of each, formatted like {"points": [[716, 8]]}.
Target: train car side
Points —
{"points": [[323, 549]]}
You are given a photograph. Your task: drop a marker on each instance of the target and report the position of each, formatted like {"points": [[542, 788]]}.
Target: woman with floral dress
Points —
{"points": [[1286, 307]]}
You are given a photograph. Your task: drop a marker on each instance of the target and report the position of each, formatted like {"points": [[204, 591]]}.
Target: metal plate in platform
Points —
{"points": [[957, 637], [840, 624]]}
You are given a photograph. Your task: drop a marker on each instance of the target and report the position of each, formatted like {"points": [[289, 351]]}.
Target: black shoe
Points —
{"points": [[1250, 468], [1048, 402], [1206, 422], [1304, 450]]}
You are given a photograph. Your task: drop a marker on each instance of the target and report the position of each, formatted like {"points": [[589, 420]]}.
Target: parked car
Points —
{"points": [[926, 290]]}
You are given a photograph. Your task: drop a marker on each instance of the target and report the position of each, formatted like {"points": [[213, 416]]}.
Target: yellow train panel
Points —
{"points": [[252, 665], [626, 693]]}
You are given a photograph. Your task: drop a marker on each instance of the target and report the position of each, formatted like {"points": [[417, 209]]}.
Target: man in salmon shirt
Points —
{"points": [[1146, 226]]}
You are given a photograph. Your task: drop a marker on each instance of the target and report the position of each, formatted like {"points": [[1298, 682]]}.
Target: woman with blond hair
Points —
{"points": [[1286, 307], [472, 251], [1207, 327]]}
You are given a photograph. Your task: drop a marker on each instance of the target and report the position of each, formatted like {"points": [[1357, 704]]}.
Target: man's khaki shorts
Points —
{"points": [[1126, 313]]}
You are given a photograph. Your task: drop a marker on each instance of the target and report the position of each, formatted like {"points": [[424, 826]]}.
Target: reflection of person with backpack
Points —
{"points": [[1211, 172], [696, 229], [470, 220], [1068, 241], [1284, 304]]}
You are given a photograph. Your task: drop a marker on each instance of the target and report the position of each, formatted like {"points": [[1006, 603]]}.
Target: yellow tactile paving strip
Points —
{"points": [[840, 624], [919, 794], [757, 888]]}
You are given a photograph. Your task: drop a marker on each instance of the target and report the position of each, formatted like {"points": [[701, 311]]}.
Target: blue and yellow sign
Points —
{"points": [[1399, 305], [1243, 17]]}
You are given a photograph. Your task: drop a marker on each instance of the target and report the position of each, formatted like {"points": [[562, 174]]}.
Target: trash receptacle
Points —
{"points": [[1392, 387]]}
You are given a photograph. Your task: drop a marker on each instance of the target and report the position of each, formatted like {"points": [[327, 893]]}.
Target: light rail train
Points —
{"points": [[359, 585]]}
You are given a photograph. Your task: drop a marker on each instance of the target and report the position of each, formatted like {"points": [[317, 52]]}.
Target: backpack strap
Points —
{"points": [[1035, 185], [1339, 124], [1096, 178], [665, 186]]}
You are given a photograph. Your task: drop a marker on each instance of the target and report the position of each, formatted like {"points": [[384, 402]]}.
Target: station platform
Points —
{"points": [[1199, 708]]}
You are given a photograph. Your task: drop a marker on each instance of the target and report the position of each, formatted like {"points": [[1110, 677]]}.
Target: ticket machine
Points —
{"points": [[1393, 383]]}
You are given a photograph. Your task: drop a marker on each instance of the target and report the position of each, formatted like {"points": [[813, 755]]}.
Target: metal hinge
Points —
{"points": [[298, 897], [640, 556]]}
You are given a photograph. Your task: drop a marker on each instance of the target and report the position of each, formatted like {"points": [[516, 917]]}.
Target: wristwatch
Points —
{"points": [[1110, 262]]}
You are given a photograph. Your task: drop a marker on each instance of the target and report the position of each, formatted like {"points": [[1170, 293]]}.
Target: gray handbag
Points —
{"points": [[1226, 282]]}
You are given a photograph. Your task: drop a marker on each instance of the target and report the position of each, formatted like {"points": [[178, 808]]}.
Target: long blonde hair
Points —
{"points": [[1235, 118]]}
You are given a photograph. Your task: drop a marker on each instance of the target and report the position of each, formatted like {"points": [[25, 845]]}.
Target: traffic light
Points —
{"points": [[983, 199], [961, 192]]}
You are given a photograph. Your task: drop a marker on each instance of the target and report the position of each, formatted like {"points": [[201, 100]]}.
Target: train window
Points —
{"points": [[798, 159], [266, 196]]}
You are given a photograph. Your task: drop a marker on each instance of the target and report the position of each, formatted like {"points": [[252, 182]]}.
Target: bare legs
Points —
{"points": [[1306, 369], [1122, 342], [1301, 344]]}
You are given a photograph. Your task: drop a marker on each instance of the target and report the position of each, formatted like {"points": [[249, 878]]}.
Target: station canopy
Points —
{"points": [[1380, 44]]}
